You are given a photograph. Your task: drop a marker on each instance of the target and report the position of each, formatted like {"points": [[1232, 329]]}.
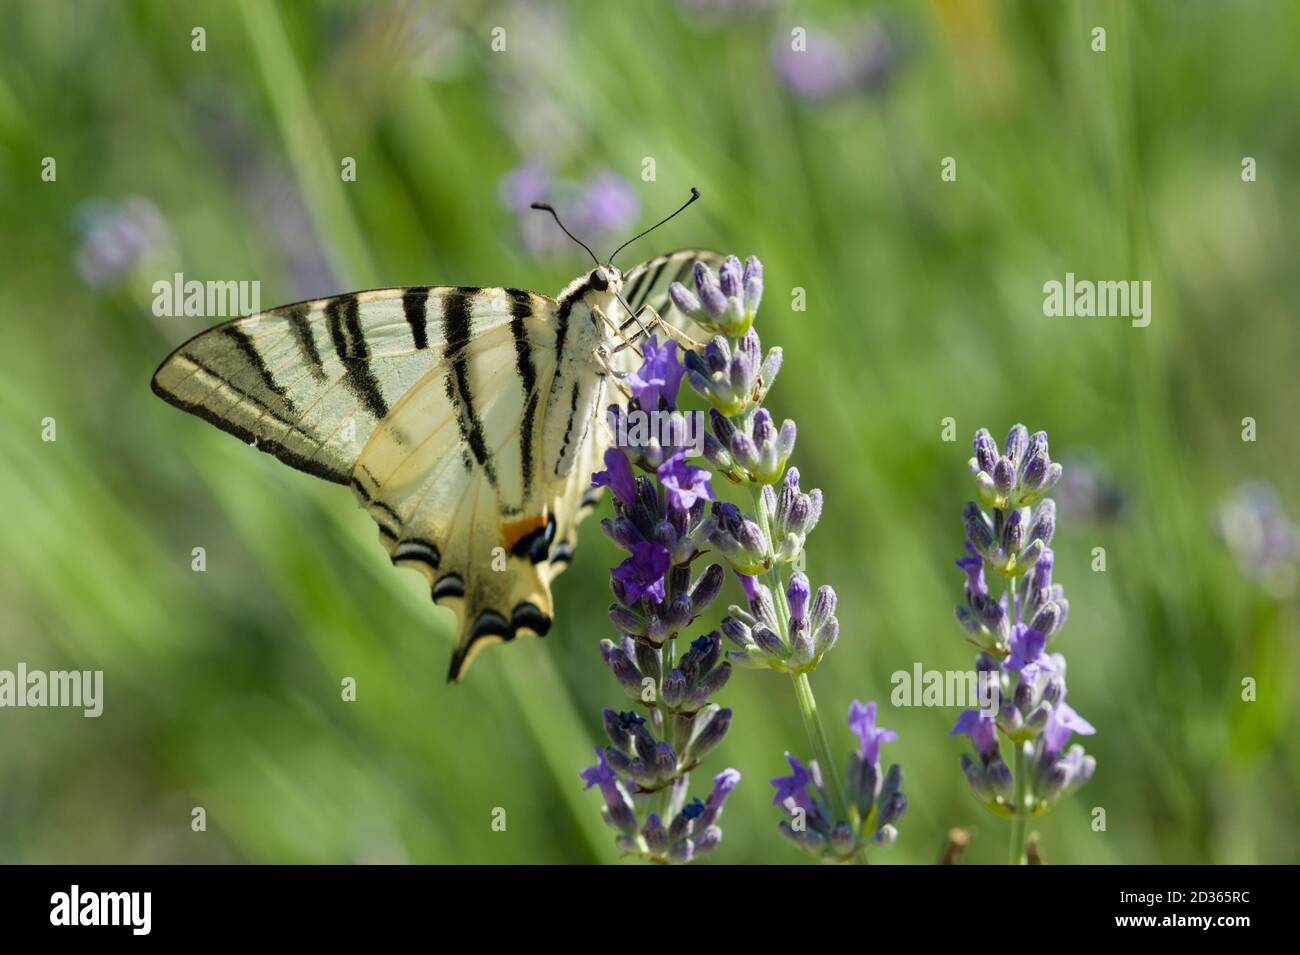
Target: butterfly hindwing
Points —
{"points": [[453, 475]]}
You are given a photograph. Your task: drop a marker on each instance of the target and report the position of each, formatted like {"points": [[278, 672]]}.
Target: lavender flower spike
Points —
{"points": [[644, 774], [1014, 632]]}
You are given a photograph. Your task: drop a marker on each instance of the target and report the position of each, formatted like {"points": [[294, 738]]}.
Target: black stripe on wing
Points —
{"points": [[457, 311], [342, 317]]}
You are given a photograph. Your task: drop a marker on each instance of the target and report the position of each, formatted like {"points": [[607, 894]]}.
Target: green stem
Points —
{"points": [[1019, 821], [812, 722]]}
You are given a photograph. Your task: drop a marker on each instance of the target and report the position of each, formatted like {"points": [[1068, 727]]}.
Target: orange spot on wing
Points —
{"points": [[515, 531]]}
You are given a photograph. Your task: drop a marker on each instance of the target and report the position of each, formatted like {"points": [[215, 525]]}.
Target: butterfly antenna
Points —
{"points": [[547, 207], [695, 194]]}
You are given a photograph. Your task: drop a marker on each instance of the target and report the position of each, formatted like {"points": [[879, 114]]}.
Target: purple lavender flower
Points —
{"points": [[658, 379], [1013, 631], [617, 476], [862, 720], [657, 518], [875, 802], [981, 729], [683, 483], [795, 786], [1063, 723], [785, 625], [642, 574]]}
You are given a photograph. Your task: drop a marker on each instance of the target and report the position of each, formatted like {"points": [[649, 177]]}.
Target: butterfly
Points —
{"points": [[467, 421]]}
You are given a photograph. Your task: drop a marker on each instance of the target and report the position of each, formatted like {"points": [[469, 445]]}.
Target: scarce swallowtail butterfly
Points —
{"points": [[467, 421]]}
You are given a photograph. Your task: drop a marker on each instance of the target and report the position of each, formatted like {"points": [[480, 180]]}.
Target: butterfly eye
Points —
{"points": [[599, 280]]}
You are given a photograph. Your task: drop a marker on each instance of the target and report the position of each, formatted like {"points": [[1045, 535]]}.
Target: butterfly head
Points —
{"points": [[605, 278]]}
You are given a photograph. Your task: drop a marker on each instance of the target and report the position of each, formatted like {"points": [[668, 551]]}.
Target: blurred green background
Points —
{"points": [[924, 301]]}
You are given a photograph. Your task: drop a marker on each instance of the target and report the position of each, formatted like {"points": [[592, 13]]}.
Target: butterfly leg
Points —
{"points": [[616, 330], [602, 359], [679, 336]]}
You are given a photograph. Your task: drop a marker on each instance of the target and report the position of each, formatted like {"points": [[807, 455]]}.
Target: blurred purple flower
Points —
{"points": [[1263, 540], [981, 729], [1061, 725], [864, 58], [116, 237], [600, 208]]}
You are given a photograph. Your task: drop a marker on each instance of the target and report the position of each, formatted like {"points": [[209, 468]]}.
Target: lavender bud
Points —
{"points": [[665, 762], [622, 532], [1038, 717], [978, 529], [626, 621], [823, 606], [1034, 470], [674, 689], [707, 587], [708, 840], [737, 632], [1047, 619], [770, 368], [762, 607], [1029, 556], [1014, 531], [731, 277], [825, 636], [621, 816], [1044, 526], [986, 451], [684, 299], [622, 667], [841, 839], [770, 643], [619, 761], [753, 290], [1017, 444], [615, 730], [1004, 476], [643, 742], [709, 732], [679, 613], [998, 775], [647, 661], [1053, 690], [682, 852], [655, 835], [719, 457], [977, 778], [706, 282]]}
